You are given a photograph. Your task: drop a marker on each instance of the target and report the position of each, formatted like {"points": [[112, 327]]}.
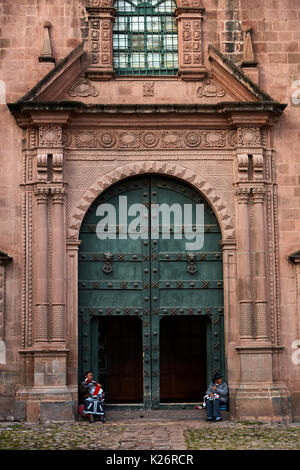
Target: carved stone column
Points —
{"points": [[41, 266], [259, 255], [190, 54], [58, 322], [101, 20], [244, 264]]}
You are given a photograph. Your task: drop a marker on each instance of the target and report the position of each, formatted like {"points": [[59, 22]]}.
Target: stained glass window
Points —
{"points": [[145, 40]]}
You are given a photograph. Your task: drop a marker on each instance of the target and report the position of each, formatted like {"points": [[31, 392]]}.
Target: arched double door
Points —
{"points": [[151, 292]]}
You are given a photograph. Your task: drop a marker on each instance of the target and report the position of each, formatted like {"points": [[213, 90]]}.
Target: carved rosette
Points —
{"points": [[50, 136], [249, 137], [118, 139], [150, 139]]}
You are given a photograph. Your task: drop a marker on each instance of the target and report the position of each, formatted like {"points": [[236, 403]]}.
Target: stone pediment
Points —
{"points": [[224, 95], [223, 82]]}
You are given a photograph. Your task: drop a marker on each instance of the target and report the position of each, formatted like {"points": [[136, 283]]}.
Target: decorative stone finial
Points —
{"points": [[248, 57], [47, 55]]}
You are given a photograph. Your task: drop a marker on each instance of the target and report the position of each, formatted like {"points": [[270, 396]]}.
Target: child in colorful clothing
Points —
{"points": [[93, 397]]}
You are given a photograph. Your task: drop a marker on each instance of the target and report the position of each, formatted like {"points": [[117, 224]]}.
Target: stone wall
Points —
{"points": [[276, 40]]}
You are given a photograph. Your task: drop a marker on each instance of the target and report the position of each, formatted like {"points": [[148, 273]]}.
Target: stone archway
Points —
{"points": [[178, 171], [156, 289]]}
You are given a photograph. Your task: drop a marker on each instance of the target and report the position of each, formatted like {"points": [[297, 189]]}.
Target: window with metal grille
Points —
{"points": [[145, 40]]}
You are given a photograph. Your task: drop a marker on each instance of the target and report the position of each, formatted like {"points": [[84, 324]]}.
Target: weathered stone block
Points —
{"points": [[57, 411]]}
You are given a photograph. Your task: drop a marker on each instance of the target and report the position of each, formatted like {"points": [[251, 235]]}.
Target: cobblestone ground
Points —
{"points": [[149, 435]]}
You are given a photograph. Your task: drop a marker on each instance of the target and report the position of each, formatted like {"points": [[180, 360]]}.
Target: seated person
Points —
{"points": [[216, 395], [92, 396]]}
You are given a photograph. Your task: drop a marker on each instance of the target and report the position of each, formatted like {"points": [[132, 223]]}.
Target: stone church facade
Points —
{"points": [[214, 110]]}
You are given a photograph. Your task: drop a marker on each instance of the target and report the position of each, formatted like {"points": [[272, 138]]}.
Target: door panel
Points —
{"points": [[182, 359], [151, 279], [124, 382]]}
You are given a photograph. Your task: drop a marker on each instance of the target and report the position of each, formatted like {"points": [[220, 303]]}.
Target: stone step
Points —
{"points": [[121, 415]]}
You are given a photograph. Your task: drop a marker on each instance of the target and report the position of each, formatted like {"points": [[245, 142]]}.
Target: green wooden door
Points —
{"points": [[150, 303]]}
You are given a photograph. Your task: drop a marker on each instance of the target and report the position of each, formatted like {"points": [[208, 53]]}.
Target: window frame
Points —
{"points": [[146, 67]]}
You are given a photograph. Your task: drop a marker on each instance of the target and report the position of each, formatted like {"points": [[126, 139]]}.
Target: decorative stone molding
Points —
{"points": [[258, 195], [249, 136], [57, 167], [258, 167], [85, 139], [42, 167], [246, 320], [177, 171], [27, 281], [190, 56], [42, 195], [58, 323], [98, 3], [144, 139], [210, 90], [249, 172], [148, 89], [261, 321], [50, 136], [243, 195], [100, 20], [32, 138], [243, 166], [58, 195], [83, 88]]}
